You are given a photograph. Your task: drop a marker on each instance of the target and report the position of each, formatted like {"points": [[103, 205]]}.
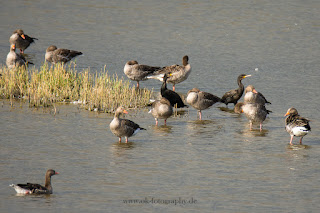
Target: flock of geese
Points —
{"points": [[254, 105], [22, 41]]}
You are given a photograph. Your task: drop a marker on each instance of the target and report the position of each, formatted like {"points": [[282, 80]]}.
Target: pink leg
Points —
{"points": [[165, 122], [291, 139], [200, 117], [301, 140], [137, 84], [119, 139], [21, 51], [126, 139], [250, 125], [173, 87], [156, 122], [260, 127]]}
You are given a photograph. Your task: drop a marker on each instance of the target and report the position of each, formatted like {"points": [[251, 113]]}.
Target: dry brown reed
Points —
{"points": [[52, 84]]}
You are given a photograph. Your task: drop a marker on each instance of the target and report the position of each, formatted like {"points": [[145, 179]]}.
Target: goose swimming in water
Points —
{"points": [[34, 188], [178, 73], [234, 95], [296, 125], [201, 100], [123, 127], [21, 40], [138, 72], [57, 55], [161, 109]]}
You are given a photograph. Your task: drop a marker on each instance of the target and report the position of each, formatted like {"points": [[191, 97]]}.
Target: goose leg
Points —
{"points": [[165, 122], [119, 139], [291, 139], [137, 84], [301, 140], [260, 127], [156, 122], [200, 117], [173, 87], [126, 139], [250, 125]]}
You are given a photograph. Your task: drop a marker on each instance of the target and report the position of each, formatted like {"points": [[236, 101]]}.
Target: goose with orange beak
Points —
{"points": [[123, 127], [21, 40], [296, 125]]}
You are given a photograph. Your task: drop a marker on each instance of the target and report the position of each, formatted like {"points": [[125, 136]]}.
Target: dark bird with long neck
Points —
{"points": [[234, 95], [172, 96], [34, 188]]}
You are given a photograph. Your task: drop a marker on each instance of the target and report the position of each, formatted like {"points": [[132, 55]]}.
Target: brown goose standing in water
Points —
{"points": [[234, 95], [14, 59], [176, 73], [255, 113], [123, 127], [296, 125], [172, 96], [21, 40], [201, 100], [252, 96], [138, 72], [161, 109], [34, 188], [57, 55]]}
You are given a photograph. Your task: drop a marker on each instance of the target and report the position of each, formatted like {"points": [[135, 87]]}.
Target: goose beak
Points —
{"points": [[246, 76], [254, 91], [125, 111], [57, 173], [286, 114], [23, 36]]}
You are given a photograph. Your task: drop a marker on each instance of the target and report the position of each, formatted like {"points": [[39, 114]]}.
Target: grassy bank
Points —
{"points": [[52, 84]]}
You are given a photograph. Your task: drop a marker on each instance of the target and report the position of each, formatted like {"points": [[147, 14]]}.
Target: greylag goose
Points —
{"points": [[201, 100], [172, 96], [255, 113], [123, 127], [161, 109], [21, 40], [234, 95], [58, 55], [252, 96], [14, 59], [178, 73], [34, 188], [296, 125], [138, 72]]}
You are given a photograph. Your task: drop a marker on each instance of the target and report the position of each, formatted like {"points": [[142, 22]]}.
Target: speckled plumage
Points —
{"points": [[296, 125], [176, 73]]}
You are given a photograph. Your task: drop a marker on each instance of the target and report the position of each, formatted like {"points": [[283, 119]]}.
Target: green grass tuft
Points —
{"points": [[49, 85]]}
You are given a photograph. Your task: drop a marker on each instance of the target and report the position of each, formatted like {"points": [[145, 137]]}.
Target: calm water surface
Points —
{"points": [[217, 163]]}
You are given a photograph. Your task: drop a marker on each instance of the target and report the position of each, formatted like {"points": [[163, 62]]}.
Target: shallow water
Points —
{"points": [[217, 164]]}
